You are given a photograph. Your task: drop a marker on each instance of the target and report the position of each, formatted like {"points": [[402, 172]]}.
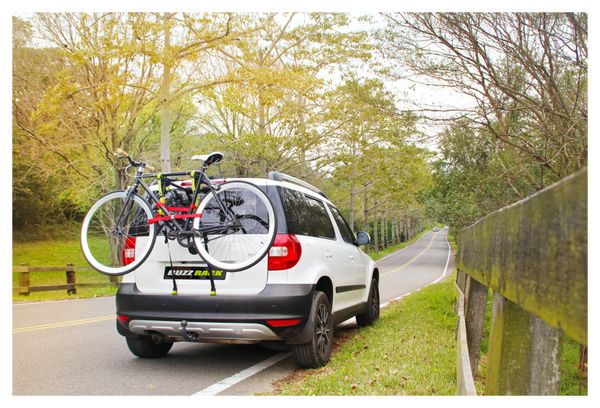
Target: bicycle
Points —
{"points": [[119, 231]]}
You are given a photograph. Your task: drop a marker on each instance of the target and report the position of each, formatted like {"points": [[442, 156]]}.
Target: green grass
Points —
{"points": [[378, 255], [411, 350], [56, 253], [570, 381]]}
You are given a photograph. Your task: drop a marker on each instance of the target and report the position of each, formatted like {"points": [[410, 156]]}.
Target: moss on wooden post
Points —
{"points": [[524, 352]]}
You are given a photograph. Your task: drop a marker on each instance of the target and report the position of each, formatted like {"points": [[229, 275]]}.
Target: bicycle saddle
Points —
{"points": [[211, 158]]}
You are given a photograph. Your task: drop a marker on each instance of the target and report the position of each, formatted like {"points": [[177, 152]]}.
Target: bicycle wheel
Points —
{"points": [[240, 236], [113, 245]]}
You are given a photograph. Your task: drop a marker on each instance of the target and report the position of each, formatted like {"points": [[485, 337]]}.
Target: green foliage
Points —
{"points": [[255, 86], [475, 174]]}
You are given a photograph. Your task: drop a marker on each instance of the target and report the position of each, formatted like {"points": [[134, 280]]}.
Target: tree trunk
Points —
{"points": [[352, 198], [375, 238], [302, 135], [366, 215], [382, 230]]}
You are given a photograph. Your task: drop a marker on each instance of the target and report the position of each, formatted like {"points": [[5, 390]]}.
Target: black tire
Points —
{"points": [[370, 315], [148, 347], [317, 351]]}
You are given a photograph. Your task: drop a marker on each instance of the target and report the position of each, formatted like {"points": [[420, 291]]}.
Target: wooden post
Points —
{"points": [[24, 282], [71, 279], [461, 278], [476, 299], [524, 352], [114, 280]]}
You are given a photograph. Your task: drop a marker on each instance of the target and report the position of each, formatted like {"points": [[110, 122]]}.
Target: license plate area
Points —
{"points": [[192, 273]]}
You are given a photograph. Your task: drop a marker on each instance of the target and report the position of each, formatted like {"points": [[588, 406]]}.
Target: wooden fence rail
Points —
{"points": [[533, 256], [24, 271]]}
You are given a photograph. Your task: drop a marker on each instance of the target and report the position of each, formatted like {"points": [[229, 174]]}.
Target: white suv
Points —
{"points": [[314, 277]]}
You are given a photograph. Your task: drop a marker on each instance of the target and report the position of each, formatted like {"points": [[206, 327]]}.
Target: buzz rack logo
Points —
{"points": [[192, 273]]}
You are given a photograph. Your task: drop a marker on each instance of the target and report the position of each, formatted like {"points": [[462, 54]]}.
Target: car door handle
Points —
{"points": [[328, 254], [351, 257]]}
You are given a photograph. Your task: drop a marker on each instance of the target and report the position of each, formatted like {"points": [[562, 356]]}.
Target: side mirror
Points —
{"points": [[363, 238]]}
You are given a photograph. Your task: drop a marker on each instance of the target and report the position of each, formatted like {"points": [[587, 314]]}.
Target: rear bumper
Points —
{"points": [[236, 318]]}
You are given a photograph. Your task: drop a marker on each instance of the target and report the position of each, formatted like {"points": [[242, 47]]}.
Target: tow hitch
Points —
{"points": [[188, 336]]}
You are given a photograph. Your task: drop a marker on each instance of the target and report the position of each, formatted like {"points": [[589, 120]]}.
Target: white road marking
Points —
{"points": [[386, 304], [447, 261], [241, 376]]}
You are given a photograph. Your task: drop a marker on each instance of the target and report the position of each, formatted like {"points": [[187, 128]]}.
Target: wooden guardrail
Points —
{"points": [[533, 255], [24, 271]]}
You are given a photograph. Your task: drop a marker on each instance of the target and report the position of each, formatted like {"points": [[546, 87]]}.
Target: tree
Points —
{"points": [[525, 72], [265, 120], [378, 172], [466, 176], [106, 94]]}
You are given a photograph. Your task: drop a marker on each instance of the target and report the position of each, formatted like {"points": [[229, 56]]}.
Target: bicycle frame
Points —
{"points": [[168, 216]]}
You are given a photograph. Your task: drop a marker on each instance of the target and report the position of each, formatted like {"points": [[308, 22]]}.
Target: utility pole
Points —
{"points": [[165, 97], [262, 128]]}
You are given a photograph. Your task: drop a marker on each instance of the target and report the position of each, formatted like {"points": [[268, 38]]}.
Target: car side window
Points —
{"points": [[347, 234], [306, 215], [318, 217]]}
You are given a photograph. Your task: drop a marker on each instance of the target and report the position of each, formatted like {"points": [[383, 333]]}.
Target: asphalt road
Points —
{"points": [[72, 347]]}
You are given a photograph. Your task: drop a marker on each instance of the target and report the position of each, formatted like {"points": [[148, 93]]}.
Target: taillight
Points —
{"points": [[283, 322], [124, 320], [285, 252], [128, 255]]}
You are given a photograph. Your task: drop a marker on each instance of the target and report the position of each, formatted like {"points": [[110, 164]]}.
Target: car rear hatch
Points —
{"points": [[191, 273], [155, 275]]}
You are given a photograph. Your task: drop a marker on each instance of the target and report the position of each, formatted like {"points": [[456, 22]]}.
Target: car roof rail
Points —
{"points": [[278, 176]]}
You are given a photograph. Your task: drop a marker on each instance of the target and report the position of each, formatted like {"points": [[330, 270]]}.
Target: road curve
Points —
{"points": [[72, 347]]}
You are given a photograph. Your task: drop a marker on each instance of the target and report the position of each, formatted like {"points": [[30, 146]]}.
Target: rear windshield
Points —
{"points": [[305, 215], [250, 210]]}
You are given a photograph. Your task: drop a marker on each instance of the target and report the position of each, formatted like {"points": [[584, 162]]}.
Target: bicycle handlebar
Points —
{"points": [[122, 153]]}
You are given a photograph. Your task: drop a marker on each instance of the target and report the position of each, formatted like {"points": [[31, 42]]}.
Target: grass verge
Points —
{"points": [[55, 253], [411, 350]]}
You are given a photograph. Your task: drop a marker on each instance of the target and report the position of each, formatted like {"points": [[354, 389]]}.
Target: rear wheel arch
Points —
{"points": [[325, 285]]}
